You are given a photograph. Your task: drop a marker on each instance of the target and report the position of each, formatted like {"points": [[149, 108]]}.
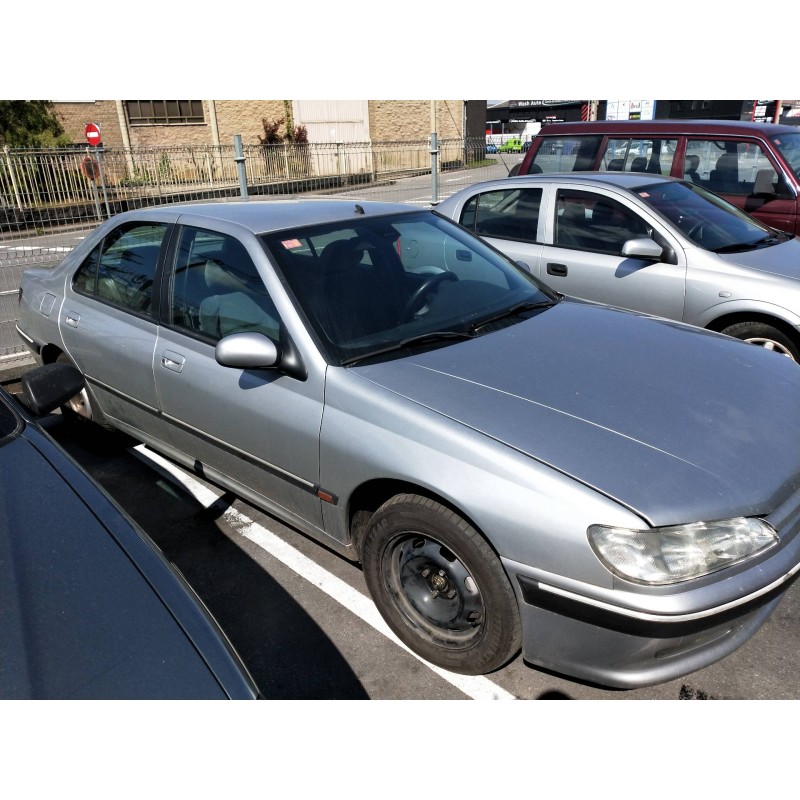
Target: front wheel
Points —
{"points": [[766, 336], [440, 587]]}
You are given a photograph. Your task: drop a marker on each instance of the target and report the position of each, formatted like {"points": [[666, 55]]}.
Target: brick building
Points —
{"points": [[144, 123]]}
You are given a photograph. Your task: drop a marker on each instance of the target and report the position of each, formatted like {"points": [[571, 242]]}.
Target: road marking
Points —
{"points": [[29, 248], [475, 686]]}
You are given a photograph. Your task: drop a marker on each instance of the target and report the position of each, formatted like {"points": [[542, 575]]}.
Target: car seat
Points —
{"points": [[725, 177], [236, 298], [690, 167], [358, 292]]}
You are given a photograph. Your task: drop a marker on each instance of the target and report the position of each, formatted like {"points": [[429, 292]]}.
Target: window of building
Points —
{"points": [[164, 112]]}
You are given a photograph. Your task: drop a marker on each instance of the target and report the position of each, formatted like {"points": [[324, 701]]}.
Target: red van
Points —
{"points": [[754, 165]]}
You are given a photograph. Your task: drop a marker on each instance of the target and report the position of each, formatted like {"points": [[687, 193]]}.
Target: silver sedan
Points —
{"points": [[616, 495], [645, 243]]}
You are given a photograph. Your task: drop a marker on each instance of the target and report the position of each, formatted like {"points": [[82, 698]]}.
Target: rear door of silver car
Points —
{"points": [[108, 321]]}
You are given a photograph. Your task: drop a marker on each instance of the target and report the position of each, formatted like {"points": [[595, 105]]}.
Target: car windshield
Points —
{"points": [[377, 285], [789, 145], [708, 220]]}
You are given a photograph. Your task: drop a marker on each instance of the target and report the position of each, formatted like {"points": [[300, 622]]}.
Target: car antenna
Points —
{"points": [[359, 209]]}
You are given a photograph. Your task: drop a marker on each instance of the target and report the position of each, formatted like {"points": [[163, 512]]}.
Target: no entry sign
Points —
{"points": [[92, 132]]}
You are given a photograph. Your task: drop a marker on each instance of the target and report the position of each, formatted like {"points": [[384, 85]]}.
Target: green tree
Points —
{"points": [[30, 123]]}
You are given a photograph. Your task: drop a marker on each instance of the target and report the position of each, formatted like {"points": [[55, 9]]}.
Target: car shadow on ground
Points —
{"points": [[288, 655]]}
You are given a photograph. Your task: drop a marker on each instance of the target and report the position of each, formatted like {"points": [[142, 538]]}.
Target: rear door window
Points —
{"points": [[639, 155], [504, 213], [121, 269]]}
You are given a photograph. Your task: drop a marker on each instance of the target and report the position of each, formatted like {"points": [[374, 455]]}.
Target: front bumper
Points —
{"points": [[629, 638]]}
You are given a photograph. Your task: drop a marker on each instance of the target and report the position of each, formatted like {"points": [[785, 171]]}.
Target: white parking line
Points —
{"points": [[29, 248], [476, 687]]}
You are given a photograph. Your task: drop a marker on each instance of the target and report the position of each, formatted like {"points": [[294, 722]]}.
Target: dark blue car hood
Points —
{"points": [[677, 423]]}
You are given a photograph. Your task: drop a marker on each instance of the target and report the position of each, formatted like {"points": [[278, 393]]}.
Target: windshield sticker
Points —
{"points": [[291, 244], [644, 194]]}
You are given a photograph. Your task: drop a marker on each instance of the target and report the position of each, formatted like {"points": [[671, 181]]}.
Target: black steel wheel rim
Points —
{"points": [[433, 590]]}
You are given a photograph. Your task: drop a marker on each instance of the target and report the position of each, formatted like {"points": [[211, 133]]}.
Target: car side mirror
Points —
{"points": [[514, 170], [247, 350], [46, 388], [642, 248]]}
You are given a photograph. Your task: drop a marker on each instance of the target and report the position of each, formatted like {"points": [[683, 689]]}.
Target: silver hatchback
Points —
{"points": [[616, 495], [645, 243]]}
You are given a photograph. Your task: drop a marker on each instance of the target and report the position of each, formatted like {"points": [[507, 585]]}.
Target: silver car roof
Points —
{"points": [[264, 216], [624, 180]]}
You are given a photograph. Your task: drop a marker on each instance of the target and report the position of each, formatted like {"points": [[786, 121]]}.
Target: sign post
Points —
{"points": [[95, 140]]}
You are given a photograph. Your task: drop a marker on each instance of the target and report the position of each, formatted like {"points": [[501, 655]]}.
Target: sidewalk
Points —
{"points": [[11, 367]]}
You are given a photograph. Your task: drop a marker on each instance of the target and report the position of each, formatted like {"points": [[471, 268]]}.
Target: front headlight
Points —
{"points": [[669, 555]]}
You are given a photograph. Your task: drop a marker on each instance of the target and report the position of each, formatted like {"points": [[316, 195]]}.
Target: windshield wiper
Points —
{"points": [[520, 308], [774, 238], [424, 338]]}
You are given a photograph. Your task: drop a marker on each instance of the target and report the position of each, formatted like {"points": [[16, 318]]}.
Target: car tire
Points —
{"points": [[440, 586], [766, 336], [82, 407]]}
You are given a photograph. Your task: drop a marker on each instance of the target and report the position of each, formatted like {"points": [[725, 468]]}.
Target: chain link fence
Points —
{"points": [[50, 199]]}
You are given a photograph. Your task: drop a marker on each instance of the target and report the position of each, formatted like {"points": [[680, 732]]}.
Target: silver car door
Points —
{"points": [[108, 323], [254, 430], [588, 230]]}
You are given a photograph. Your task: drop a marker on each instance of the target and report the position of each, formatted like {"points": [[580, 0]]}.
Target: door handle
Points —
{"points": [[172, 360], [72, 319], [557, 269]]}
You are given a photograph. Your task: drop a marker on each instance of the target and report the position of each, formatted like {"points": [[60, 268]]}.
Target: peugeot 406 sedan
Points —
{"points": [[646, 243], [616, 495]]}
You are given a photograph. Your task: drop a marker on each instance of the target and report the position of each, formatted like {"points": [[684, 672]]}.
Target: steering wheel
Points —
{"points": [[415, 302]]}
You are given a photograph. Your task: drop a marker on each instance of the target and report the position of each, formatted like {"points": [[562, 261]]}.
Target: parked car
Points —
{"points": [[491, 147], [90, 607], [645, 243], [511, 468], [511, 146], [755, 166]]}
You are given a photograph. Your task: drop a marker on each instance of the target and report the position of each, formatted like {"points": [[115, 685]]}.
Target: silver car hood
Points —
{"points": [[677, 423], [779, 259]]}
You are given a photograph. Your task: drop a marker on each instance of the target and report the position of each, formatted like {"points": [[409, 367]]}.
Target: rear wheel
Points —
{"points": [[440, 587], [766, 336], [81, 407]]}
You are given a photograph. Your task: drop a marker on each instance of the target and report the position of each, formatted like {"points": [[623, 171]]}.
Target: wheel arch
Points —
{"points": [[726, 320], [49, 353], [367, 498]]}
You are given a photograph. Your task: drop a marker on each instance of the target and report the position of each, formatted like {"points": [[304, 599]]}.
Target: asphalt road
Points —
{"points": [[302, 621]]}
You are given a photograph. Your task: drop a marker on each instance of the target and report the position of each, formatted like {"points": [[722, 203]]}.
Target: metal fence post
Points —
{"points": [[434, 168], [239, 159], [13, 178]]}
